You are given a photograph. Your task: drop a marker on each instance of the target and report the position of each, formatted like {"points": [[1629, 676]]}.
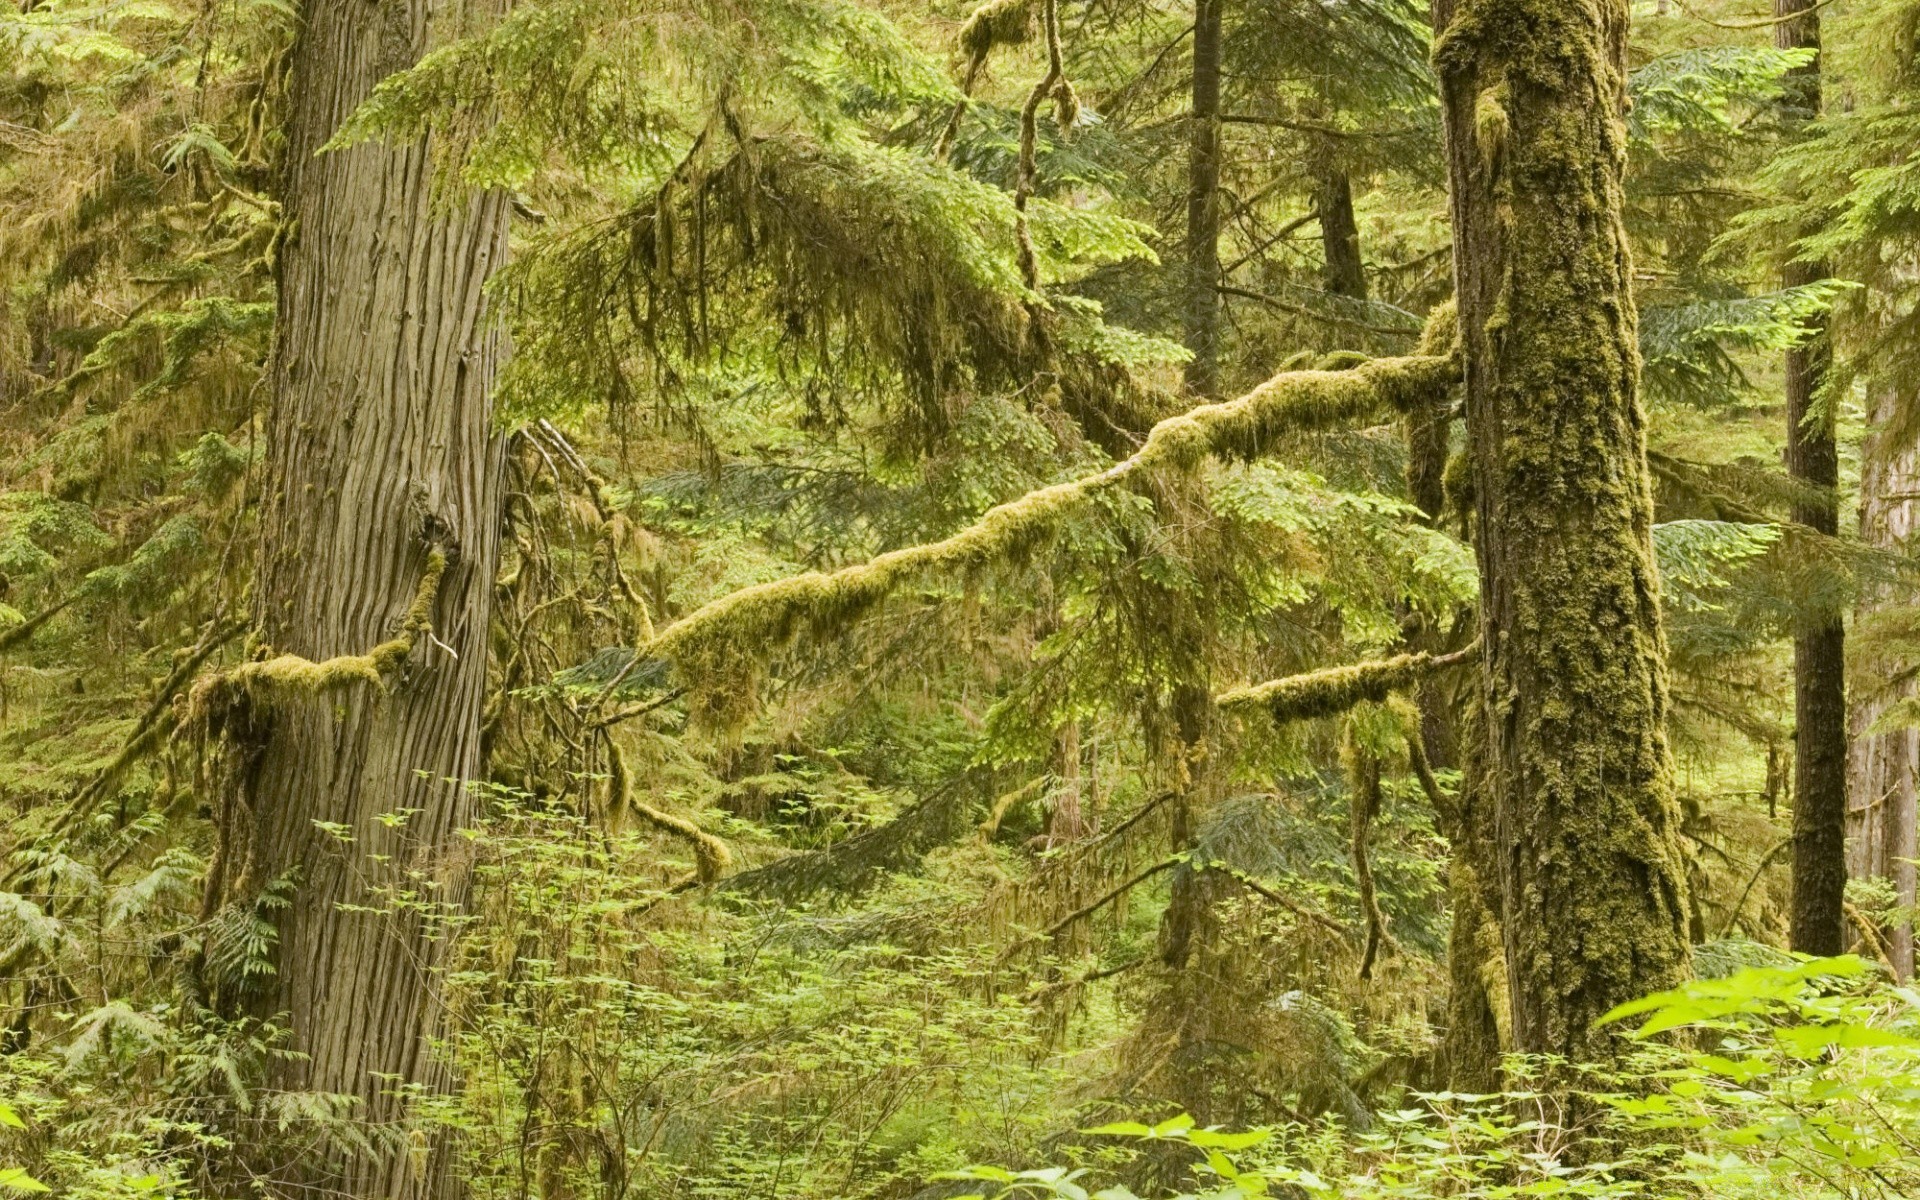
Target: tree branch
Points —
{"points": [[1328, 692], [719, 647]]}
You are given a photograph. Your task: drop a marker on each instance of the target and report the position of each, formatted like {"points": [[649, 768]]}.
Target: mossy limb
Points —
{"points": [[997, 23], [1334, 690], [263, 680], [711, 857], [718, 649]]}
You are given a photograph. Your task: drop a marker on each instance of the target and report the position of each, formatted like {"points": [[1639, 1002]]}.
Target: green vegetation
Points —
{"points": [[854, 600]]}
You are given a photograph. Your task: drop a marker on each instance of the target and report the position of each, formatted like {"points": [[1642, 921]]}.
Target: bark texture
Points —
{"points": [[1881, 821], [1592, 877], [380, 454], [1203, 204], [1818, 921]]}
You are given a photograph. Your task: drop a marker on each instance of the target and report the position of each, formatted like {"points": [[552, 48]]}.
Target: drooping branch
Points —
{"points": [[1054, 84], [994, 23], [1363, 800], [711, 856], [717, 645], [20, 633], [1334, 690]]}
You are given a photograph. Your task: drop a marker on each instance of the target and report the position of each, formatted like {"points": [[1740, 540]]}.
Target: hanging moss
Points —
{"points": [[711, 857], [1363, 805], [996, 23], [718, 649], [1334, 690]]}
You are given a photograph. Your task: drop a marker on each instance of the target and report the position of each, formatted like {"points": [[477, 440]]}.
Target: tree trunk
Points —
{"points": [[1885, 766], [1818, 922], [379, 454], [1592, 879], [1203, 204], [1346, 273]]}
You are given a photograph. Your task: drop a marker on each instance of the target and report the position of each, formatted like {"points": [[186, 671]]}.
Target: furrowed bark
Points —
{"points": [[380, 462], [1592, 877], [1817, 924]]}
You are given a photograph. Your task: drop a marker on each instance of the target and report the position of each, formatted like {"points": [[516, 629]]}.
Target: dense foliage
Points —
{"points": [[930, 720]]}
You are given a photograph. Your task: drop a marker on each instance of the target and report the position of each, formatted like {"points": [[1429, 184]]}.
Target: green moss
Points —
{"points": [[718, 649], [1332, 691], [996, 23], [1578, 768], [261, 681], [711, 857]]}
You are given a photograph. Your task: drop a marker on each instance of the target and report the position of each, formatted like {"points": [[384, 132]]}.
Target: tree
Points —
{"points": [[1819, 641], [1592, 877], [350, 744], [1203, 203], [1884, 763]]}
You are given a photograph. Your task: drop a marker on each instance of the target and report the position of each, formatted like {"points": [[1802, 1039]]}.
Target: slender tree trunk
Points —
{"points": [[380, 454], [1346, 273], [1885, 766], [1592, 878], [1817, 924], [1203, 204]]}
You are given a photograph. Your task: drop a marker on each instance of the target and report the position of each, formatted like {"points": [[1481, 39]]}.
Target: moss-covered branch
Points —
{"points": [[19, 634], [715, 646], [1332, 691], [290, 673], [711, 857]]}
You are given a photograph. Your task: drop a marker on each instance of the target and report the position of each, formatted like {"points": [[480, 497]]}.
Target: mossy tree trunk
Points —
{"points": [[1817, 924], [1592, 878], [380, 452], [1885, 767], [1203, 203]]}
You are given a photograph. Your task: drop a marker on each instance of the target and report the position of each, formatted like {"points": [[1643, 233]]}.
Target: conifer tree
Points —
{"points": [[1203, 203], [1819, 643], [349, 746], [1586, 838]]}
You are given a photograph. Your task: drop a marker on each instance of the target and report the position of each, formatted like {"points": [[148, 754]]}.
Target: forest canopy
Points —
{"points": [[862, 600]]}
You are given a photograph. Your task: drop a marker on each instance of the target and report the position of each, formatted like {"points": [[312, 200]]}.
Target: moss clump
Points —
{"points": [[718, 649], [996, 23], [1332, 691]]}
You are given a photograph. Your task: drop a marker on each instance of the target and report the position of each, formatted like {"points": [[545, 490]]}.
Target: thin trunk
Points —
{"points": [[1818, 922], [1203, 204], [1183, 927], [1885, 766], [380, 453], [1592, 877], [1346, 273]]}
